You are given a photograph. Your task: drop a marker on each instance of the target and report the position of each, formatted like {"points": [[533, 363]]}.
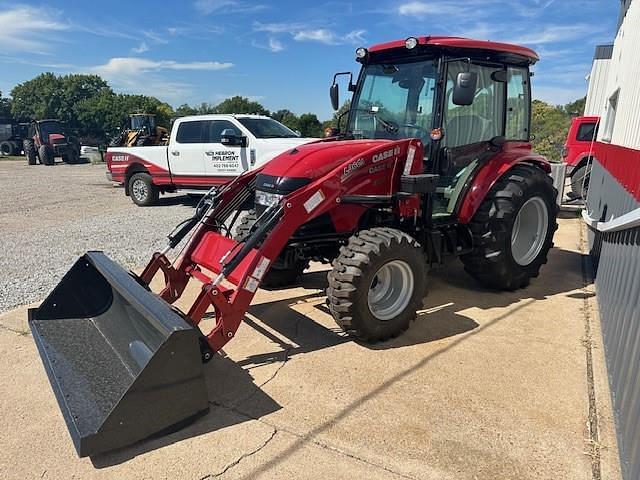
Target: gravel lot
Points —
{"points": [[49, 216]]}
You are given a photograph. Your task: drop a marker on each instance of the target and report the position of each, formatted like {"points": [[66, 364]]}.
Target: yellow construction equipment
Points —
{"points": [[141, 130]]}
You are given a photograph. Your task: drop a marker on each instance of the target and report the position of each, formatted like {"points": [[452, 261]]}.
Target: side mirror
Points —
{"points": [[464, 90], [335, 97], [230, 138]]}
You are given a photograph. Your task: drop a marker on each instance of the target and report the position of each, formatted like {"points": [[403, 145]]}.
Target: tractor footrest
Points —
{"points": [[422, 183]]}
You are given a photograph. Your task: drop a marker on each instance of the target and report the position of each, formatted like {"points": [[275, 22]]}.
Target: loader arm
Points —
{"points": [[230, 271]]}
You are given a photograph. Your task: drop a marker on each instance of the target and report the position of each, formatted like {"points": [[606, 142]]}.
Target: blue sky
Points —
{"points": [[282, 54]]}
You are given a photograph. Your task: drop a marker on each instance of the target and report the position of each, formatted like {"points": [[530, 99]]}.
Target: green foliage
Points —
{"points": [[576, 109], [5, 108], [239, 104], [549, 127]]}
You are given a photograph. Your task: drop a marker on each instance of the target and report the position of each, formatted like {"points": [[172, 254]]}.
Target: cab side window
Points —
{"points": [[215, 128], [517, 104], [484, 118], [191, 132]]}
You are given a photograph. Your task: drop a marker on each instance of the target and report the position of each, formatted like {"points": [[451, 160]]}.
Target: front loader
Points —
{"points": [[434, 162]]}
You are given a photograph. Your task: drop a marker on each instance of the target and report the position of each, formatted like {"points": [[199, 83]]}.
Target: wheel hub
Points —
{"points": [[529, 231], [391, 290], [140, 190]]}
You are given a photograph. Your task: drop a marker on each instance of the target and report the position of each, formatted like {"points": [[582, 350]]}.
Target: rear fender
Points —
{"points": [[487, 176]]}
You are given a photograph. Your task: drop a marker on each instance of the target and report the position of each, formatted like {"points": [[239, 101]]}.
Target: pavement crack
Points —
{"points": [[13, 330], [231, 465], [593, 443]]}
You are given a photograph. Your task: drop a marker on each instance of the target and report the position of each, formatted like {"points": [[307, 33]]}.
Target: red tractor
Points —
{"points": [[434, 162], [46, 139]]}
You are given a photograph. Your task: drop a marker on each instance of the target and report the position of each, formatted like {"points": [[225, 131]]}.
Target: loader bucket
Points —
{"points": [[122, 363]]}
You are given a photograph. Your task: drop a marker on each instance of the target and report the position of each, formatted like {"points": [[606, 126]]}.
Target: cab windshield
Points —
{"points": [[395, 101], [267, 128], [47, 128]]}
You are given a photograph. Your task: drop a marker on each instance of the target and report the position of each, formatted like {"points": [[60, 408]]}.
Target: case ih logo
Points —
{"points": [[384, 155], [120, 158], [353, 166]]}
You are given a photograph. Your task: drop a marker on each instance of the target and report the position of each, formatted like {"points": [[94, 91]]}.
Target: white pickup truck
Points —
{"points": [[203, 151]]}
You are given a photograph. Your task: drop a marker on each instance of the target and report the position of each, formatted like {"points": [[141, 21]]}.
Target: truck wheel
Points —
{"points": [[142, 190], [513, 229], [29, 151], [6, 148], [580, 182], [45, 152], [284, 271], [377, 284]]}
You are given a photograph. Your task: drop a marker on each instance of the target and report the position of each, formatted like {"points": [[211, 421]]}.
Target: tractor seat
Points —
{"points": [[464, 130]]}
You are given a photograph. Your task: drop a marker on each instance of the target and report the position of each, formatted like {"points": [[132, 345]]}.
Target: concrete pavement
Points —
{"points": [[484, 385]]}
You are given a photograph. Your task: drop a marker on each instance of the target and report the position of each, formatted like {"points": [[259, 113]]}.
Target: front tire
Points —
{"points": [[513, 229], [30, 152], [377, 284], [580, 182], [46, 154], [142, 190], [285, 270]]}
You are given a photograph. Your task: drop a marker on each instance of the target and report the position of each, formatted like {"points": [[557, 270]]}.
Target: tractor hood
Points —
{"points": [[314, 160]]}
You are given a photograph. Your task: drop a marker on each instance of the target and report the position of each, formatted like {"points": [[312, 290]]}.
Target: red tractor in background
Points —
{"points": [[435, 162], [577, 153], [46, 139]]}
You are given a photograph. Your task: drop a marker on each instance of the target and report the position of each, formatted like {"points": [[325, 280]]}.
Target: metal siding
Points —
{"points": [[596, 95], [624, 70], [616, 257]]}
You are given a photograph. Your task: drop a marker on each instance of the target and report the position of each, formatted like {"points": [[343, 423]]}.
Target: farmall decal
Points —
{"points": [[378, 157], [352, 167]]}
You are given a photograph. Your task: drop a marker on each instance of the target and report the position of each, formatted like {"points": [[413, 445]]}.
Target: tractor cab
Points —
{"points": [[463, 99], [143, 122]]}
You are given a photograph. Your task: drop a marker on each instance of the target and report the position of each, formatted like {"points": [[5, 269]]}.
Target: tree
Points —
{"points": [[185, 110], [310, 126], [240, 104], [576, 109], [5, 108], [51, 96], [287, 118], [549, 126]]}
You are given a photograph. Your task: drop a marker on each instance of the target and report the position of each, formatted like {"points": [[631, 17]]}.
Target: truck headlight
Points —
{"points": [[268, 199]]}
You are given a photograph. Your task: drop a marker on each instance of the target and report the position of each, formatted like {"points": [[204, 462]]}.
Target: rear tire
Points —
{"points": [[580, 182], [283, 272], [142, 190], [30, 152], [509, 246], [377, 284], [7, 148], [46, 154]]}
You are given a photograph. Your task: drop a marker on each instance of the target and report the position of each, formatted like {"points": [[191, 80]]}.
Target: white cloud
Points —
{"points": [[207, 7], [305, 33], [275, 45], [321, 35], [133, 66], [418, 9], [143, 47], [555, 33], [29, 29], [155, 37]]}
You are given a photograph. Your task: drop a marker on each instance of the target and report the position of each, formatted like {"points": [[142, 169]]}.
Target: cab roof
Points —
{"points": [[523, 54]]}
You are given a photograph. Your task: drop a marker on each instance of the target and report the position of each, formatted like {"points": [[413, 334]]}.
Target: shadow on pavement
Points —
{"points": [[221, 374]]}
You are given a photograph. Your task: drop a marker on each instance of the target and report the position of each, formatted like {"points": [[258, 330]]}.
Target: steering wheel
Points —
{"points": [[424, 133]]}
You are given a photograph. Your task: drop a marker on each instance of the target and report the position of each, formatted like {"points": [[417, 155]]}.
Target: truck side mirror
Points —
{"points": [[335, 97], [464, 91], [230, 138]]}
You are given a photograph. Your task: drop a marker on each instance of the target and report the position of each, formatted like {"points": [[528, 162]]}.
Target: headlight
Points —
{"points": [[411, 43], [361, 52], [268, 199]]}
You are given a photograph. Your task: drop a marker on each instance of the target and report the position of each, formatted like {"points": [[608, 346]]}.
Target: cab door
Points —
{"points": [[186, 153], [224, 160]]}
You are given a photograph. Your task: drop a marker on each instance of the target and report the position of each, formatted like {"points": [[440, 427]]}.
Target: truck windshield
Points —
{"points": [[266, 128], [395, 101]]}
